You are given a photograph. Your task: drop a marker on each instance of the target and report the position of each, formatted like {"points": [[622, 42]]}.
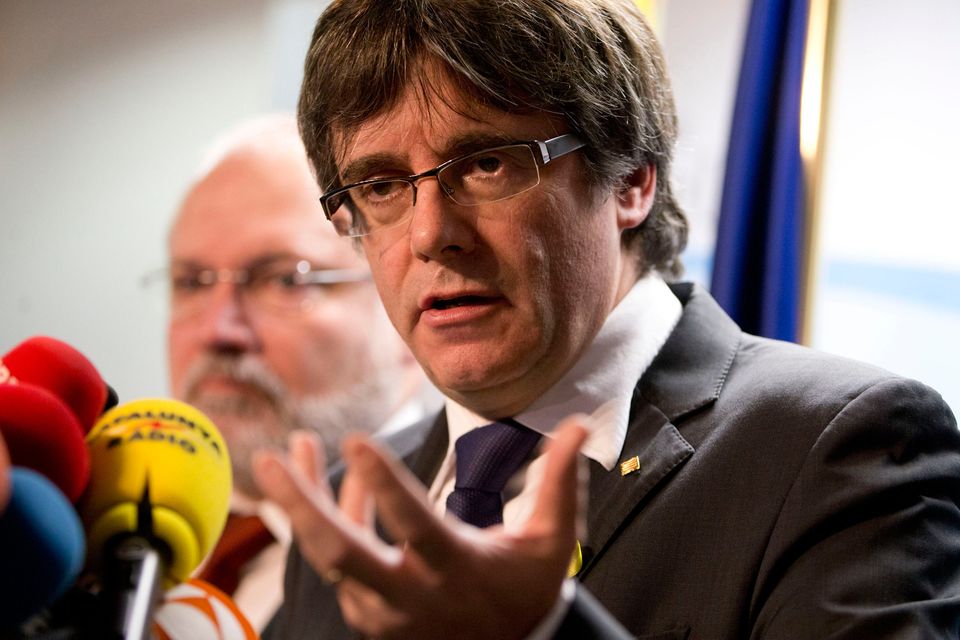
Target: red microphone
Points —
{"points": [[42, 434], [59, 368]]}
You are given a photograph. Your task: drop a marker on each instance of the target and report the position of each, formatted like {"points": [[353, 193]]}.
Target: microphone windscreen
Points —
{"points": [[196, 610], [41, 547], [59, 368], [43, 434], [159, 468], [4, 475]]}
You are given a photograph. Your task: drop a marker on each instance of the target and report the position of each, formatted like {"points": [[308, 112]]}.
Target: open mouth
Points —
{"points": [[460, 301]]}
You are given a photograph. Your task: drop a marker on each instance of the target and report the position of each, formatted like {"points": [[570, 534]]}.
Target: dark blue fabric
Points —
{"points": [[758, 261], [486, 459]]}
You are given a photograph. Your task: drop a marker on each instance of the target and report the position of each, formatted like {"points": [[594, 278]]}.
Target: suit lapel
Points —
{"points": [[690, 369], [686, 375], [425, 462], [613, 497], [421, 446]]}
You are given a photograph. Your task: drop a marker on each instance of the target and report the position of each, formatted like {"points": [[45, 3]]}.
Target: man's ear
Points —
{"points": [[635, 199]]}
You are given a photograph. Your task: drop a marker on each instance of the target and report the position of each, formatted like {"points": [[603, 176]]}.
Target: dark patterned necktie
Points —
{"points": [[243, 538], [486, 459]]}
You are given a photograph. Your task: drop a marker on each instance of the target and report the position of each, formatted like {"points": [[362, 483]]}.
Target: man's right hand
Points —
{"points": [[444, 578]]}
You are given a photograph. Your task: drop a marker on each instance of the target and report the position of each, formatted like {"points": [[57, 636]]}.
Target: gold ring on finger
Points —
{"points": [[332, 576]]}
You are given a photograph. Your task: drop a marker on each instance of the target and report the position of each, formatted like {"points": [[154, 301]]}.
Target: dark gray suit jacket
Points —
{"points": [[782, 493]]}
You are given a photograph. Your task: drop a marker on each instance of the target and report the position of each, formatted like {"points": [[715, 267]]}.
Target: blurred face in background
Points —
{"points": [[274, 323]]}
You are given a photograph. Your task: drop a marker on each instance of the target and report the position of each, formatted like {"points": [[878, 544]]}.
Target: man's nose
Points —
{"points": [[440, 228], [228, 325]]}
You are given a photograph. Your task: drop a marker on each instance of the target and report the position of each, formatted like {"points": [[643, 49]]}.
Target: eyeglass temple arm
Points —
{"points": [[556, 147], [334, 276]]}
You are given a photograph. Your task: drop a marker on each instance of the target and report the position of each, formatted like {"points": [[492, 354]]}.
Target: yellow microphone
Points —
{"points": [[156, 503]]}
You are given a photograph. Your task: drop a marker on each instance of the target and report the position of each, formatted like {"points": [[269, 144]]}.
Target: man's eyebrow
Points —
{"points": [[269, 259], [185, 263], [362, 168], [475, 141]]}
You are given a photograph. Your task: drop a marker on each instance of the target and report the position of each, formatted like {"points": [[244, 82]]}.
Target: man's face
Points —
{"points": [[259, 371], [496, 301]]}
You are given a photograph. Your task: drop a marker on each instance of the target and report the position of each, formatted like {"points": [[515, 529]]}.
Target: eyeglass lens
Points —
{"points": [[479, 178], [285, 287]]}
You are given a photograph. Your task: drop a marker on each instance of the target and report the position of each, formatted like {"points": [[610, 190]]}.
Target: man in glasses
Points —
{"points": [[505, 167], [275, 325]]}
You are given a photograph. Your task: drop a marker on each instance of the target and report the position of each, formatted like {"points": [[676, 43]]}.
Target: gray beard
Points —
{"points": [[264, 416]]}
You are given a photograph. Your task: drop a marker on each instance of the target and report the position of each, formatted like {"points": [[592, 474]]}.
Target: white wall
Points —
{"points": [[703, 40], [105, 106], [889, 268]]}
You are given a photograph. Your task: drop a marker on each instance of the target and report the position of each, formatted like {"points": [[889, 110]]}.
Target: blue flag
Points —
{"points": [[758, 261]]}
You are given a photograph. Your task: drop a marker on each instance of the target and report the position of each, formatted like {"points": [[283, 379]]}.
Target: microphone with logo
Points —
{"points": [[197, 610], [155, 505], [50, 395]]}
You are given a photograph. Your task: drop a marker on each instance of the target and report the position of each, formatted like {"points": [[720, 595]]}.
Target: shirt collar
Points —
{"points": [[601, 383], [274, 518]]}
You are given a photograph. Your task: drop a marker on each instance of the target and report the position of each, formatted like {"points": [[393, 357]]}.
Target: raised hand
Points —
{"points": [[444, 578]]}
